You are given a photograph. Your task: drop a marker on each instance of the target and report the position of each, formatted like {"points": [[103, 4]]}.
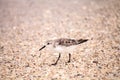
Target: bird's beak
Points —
{"points": [[42, 47]]}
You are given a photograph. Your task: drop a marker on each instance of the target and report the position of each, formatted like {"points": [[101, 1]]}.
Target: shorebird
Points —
{"points": [[63, 45]]}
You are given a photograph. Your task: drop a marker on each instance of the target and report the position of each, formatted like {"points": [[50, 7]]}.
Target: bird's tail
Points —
{"points": [[81, 41]]}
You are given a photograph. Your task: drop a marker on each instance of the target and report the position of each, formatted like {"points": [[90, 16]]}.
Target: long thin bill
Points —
{"points": [[42, 48]]}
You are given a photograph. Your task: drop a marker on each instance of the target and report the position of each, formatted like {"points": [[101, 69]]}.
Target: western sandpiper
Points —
{"points": [[63, 45]]}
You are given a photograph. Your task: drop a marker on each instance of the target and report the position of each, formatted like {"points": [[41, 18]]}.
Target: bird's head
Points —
{"points": [[47, 43]]}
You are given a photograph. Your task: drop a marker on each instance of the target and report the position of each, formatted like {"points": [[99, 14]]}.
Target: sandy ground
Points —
{"points": [[26, 24]]}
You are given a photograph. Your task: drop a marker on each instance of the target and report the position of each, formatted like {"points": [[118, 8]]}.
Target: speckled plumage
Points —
{"points": [[68, 42], [63, 45]]}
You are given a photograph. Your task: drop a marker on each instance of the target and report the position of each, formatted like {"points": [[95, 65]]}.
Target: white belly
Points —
{"points": [[62, 49]]}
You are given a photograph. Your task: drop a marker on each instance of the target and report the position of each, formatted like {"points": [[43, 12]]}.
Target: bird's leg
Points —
{"points": [[69, 58], [57, 59]]}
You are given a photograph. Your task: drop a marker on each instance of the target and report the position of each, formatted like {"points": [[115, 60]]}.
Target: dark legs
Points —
{"points": [[69, 58], [57, 59]]}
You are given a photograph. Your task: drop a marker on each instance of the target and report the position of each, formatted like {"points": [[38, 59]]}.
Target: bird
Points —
{"points": [[63, 45]]}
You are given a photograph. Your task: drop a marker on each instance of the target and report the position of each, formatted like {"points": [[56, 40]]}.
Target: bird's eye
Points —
{"points": [[48, 43]]}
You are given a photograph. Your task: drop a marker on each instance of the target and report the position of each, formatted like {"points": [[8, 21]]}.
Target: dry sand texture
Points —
{"points": [[26, 24]]}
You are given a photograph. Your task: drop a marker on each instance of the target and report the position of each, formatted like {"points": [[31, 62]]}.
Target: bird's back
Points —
{"points": [[69, 42]]}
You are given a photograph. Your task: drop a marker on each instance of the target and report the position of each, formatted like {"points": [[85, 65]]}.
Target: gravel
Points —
{"points": [[26, 24]]}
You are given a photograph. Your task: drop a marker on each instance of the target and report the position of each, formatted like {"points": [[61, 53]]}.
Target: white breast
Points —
{"points": [[63, 49]]}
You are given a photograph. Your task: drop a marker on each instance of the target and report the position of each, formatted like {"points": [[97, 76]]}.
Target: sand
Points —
{"points": [[26, 24]]}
